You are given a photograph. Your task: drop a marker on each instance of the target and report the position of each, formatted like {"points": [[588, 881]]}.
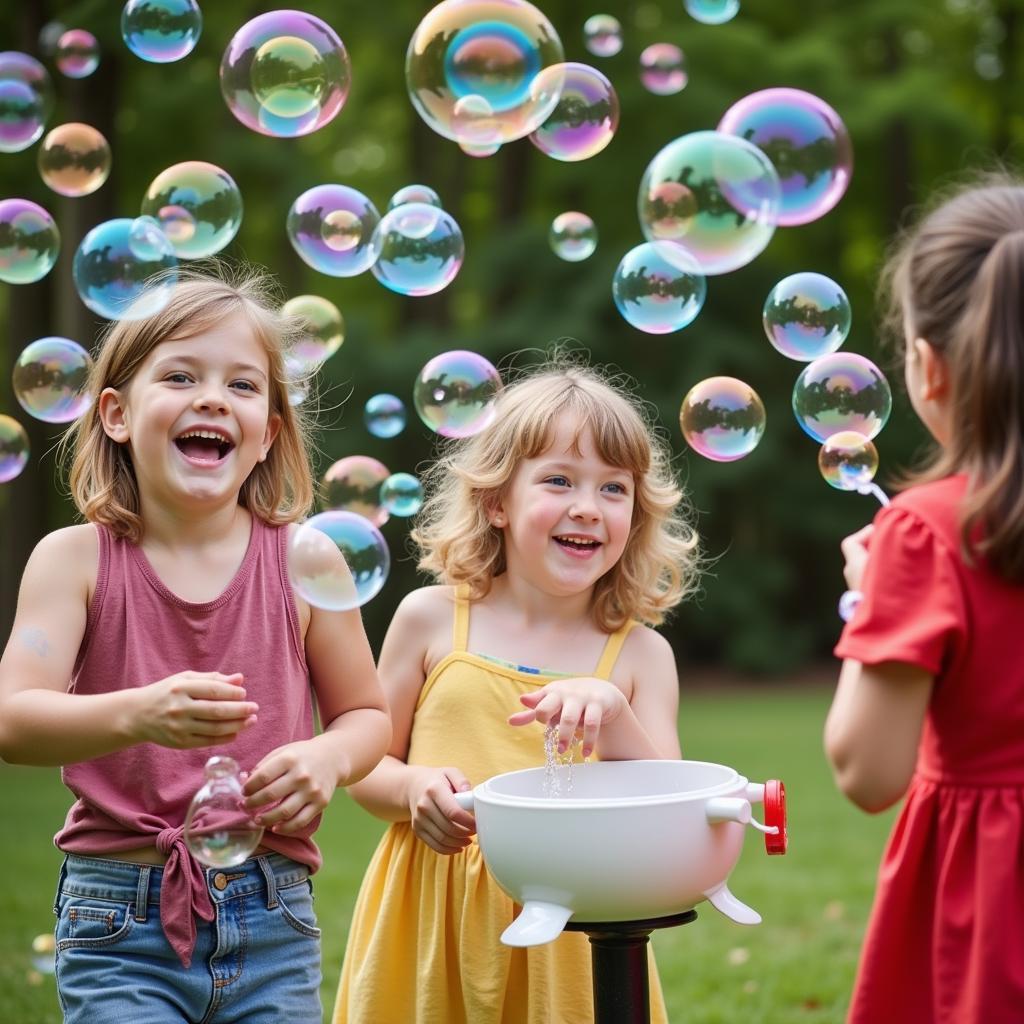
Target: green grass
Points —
{"points": [[796, 967]]}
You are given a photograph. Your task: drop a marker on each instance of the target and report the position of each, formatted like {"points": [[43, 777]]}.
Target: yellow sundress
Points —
{"points": [[424, 944]]}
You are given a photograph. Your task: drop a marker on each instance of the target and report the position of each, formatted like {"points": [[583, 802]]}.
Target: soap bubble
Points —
{"points": [[353, 484], [479, 149], [806, 316], [29, 242], [481, 48], [74, 159], [44, 953], [401, 494], [585, 116], [722, 418], [49, 36], [602, 35], [14, 448], [161, 31], [324, 329], [474, 123], [338, 560], [415, 194], [49, 379], [663, 69], [332, 228], [220, 831], [573, 236], [198, 206], [420, 249], [26, 100], [285, 73], [807, 143], [848, 460], [841, 391], [712, 12], [77, 54], [384, 415], [454, 393], [298, 375], [659, 287], [113, 265], [716, 194]]}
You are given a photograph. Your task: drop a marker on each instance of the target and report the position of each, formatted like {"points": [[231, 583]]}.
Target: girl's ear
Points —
{"points": [[273, 429], [495, 513], [113, 413], [934, 375]]}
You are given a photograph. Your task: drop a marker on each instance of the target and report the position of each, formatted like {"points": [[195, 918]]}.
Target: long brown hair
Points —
{"points": [[957, 280]]}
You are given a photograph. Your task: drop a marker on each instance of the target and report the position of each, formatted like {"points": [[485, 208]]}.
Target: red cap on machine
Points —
{"points": [[775, 814]]}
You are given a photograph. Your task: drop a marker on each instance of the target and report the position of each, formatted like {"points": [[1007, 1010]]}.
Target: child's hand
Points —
{"points": [[299, 779], [435, 816], [855, 551], [573, 703], [192, 709]]}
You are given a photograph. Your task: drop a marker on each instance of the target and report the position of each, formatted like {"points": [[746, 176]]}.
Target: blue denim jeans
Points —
{"points": [[257, 962]]}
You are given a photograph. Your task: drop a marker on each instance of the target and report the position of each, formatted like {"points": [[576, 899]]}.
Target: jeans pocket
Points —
{"points": [[84, 921], [296, 903]]}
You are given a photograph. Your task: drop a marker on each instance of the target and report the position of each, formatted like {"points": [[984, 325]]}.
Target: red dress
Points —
{"points": [[945, 943]]}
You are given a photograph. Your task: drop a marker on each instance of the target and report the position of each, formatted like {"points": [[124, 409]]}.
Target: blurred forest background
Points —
{"points": [[929, 90]]}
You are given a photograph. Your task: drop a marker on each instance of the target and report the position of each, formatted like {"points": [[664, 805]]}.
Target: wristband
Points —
{"points": [[848, 603]]}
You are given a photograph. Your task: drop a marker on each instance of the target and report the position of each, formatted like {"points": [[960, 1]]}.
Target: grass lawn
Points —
{"points": [[796, 967]]}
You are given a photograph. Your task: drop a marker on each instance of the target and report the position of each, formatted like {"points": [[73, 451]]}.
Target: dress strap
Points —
{"points": [[460, 622], [611, 650]]}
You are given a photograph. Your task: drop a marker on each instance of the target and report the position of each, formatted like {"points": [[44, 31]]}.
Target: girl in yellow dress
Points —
{"points": [[558, 537]]}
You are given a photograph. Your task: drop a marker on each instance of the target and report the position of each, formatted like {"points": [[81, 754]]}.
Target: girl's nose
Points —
{"points": [[584, 508], [211, 398]]}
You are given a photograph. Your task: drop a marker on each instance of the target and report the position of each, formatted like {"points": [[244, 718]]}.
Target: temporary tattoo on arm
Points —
{"points": [[35, 640]]}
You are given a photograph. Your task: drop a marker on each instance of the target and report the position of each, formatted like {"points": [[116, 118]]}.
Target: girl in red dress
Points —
{"points": [[930, 701]]}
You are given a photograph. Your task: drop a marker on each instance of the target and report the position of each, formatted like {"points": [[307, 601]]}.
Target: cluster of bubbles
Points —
{"points": [[161, 31]]}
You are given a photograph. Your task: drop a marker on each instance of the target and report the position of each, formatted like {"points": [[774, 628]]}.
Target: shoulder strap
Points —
{"points": [[460, 622], [611, 650]]}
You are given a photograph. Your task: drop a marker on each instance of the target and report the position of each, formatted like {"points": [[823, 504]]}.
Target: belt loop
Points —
{"points": [[142, 894], [60, 885], [268, 874]]}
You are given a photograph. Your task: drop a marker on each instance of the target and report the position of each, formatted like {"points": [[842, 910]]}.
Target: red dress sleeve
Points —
{"points": [[912, 611]]}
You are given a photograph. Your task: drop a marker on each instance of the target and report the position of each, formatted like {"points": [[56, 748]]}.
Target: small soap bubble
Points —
{"points": [[353, 484], [659, 287], [585, 117], [332, 228], [49, 36], [420, 249], [338, 560], [722, 418], [602, 35], [74, 159], [161, 31], [324, 329], [220, 831], [415, 194], [49, 379], [77, 54], [401, 494], [573, 236], [841, 391], [454, 393], [848, 461], [474, 123], [806, 316], [113, 266], [712, 12], [202, 206], [285, 73], [14, 448], [384, 415], [663, 69], [29, 242], [479, 150], [26, 100]]}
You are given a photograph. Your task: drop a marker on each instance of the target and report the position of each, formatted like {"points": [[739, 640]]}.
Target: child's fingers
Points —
{"points": [[522, 717], [284, 811], [592, 717], [223, 710], [568, 722], [547, 707]]}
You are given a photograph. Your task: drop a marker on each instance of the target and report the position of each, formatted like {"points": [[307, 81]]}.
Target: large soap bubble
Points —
{"points": [[722, 418], [807, 143], [663, 69], [74, 159], [848, 461], [659, 287], [14, 448], [324, 329], [841, 391], [353, 484], [77, 54], [573, 236], [285, 73], [454, 393], [420, 249], [488, 48], [29, 242], [585, 116], [26, 100], [49, 379], [806, 316], [332, 227], [161, 31]]}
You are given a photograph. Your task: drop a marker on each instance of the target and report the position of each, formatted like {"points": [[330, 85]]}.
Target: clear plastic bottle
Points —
{"points": [[219, 830]]}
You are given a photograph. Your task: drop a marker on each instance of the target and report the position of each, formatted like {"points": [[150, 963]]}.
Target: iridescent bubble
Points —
{"points": [[841, 391], [353, 483], [337, 560], [474, 123], [113, 265], [29, 242], [161, 31], [401, 494], [285, 73], [415, 194], [479, 149], [324, 328], [806, 316], [454, 393], [585, 116], [14, 448], [211, 202], [487, 48], [807, 143], [602, 35], [573, 236], [712, 12], [848, 460], [49, 380], [220, 831], [74, 159], [77, 54], [332, 228], [26, 100], [384, 415], [659, 287], [420, 249], [717, 194], [663, 69], [722, 418]]}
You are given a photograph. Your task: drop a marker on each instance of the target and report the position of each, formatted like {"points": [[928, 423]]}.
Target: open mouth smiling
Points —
{"points": [[577, 543], [204, 445]]}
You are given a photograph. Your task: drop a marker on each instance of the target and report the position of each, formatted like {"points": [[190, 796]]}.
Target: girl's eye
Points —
{"points": [[178, 378], [558, 481], [617, 488], [244, 385]]}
